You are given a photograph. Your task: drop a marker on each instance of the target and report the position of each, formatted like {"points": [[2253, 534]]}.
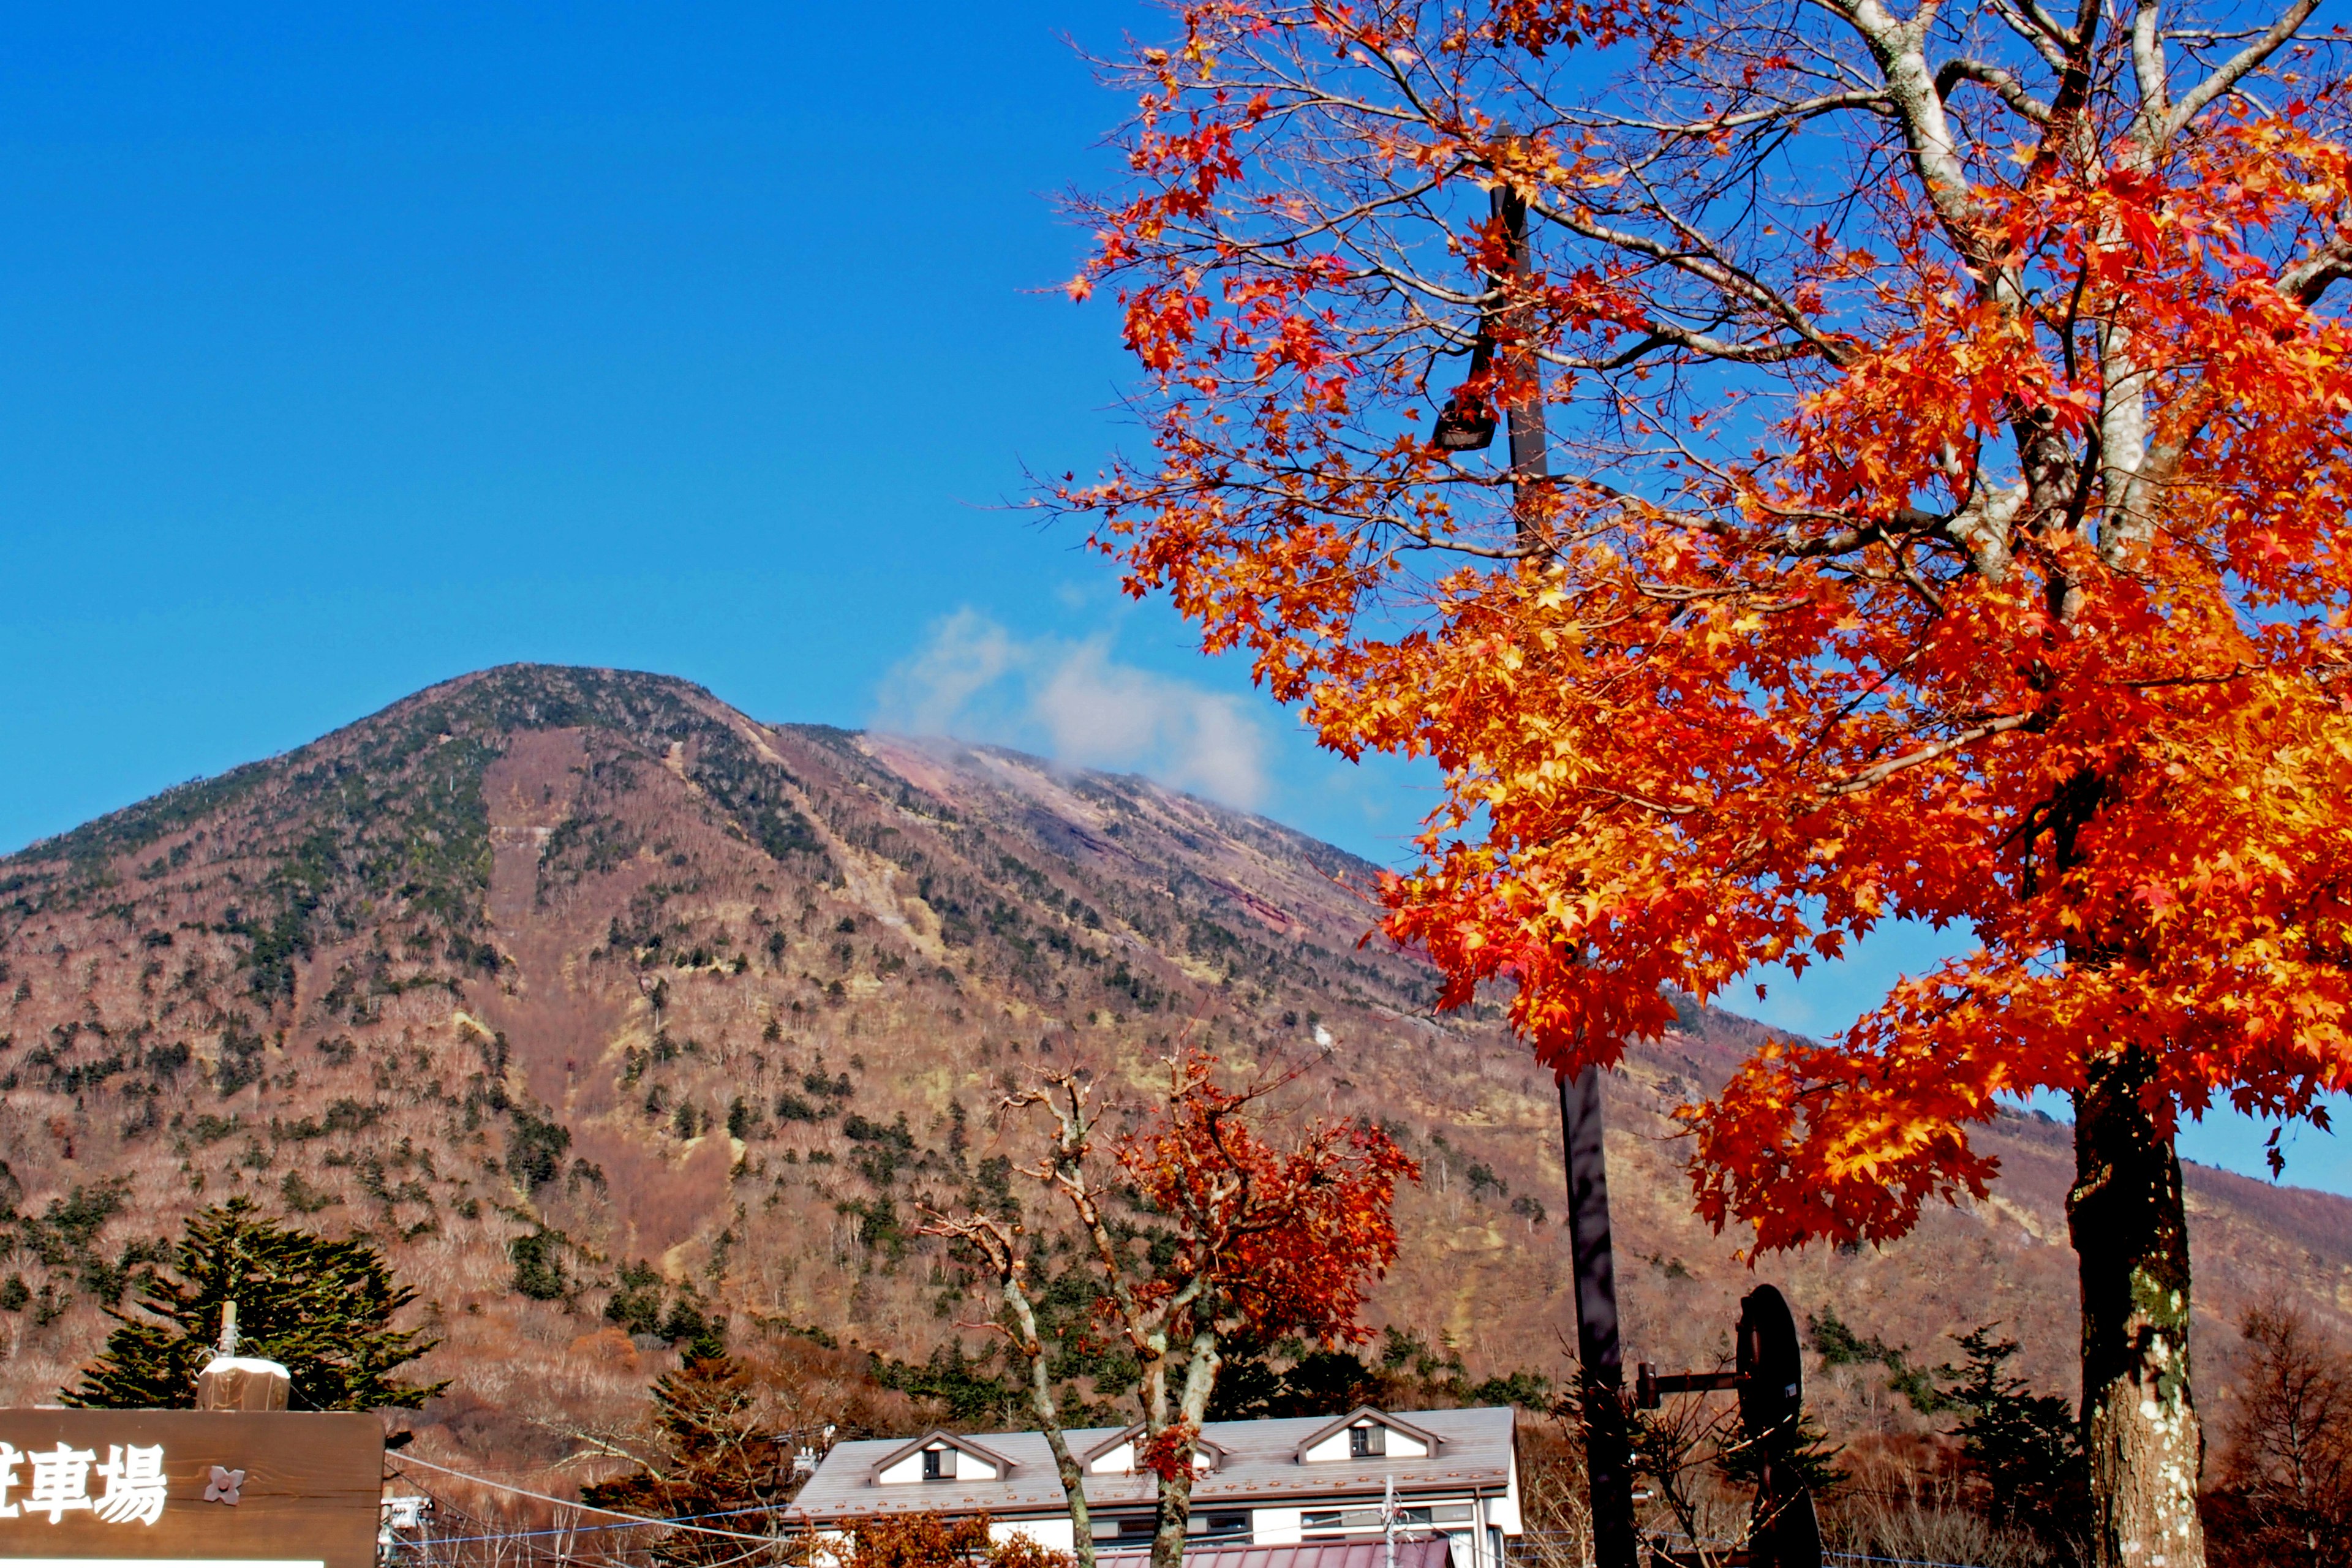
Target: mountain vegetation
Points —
{"points": [[603, 1013]]}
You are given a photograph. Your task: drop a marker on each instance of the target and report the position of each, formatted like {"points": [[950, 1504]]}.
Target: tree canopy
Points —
{"points": [[1950, 453], [1202, 1236], [1924, 499], [323, 1308], [717, 1463]]}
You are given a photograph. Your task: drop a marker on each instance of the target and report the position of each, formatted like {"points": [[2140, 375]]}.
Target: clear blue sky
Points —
{"points": [[344, 351]]}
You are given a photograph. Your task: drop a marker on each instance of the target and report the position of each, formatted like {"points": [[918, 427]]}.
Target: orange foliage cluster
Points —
{"points": [[932, 1541], [1955, 537], [1277, 1242], [1239, 1239]]}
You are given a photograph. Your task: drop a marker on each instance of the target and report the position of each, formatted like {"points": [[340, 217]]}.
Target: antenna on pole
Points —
{"points": [[233, 1382]]}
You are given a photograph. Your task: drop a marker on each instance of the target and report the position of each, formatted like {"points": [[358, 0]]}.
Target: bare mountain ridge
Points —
{"points": [[543, 973]]}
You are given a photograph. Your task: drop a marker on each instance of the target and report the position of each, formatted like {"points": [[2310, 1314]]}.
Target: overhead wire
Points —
{"points": [[634, 1518], [631, 1522]]}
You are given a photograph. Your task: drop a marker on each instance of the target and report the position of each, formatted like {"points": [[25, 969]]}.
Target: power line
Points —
{"points": [[574, 1502], [633, 1523]]}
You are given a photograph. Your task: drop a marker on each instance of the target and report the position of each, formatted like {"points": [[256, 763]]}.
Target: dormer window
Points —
{"points": [[1115, 1455], [939, 1457], [1366, 1434]]}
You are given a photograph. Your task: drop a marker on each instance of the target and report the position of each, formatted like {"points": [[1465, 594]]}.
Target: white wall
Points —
{"points": [[959, 1465], [1120, 1461], [1277, 1526], [1503, 1512], [1053, 1534]]}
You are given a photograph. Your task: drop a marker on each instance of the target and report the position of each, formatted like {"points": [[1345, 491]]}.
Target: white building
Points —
{"points": [[1261, 1483]]}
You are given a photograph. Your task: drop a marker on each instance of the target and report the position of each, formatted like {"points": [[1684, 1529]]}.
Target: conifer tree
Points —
{"points": [[323, 1308], [2027, 1447], [715, 1463]]}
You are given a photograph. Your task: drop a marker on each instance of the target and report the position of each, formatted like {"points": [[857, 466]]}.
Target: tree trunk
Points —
{"points": [[1047, 1409], [2131, 1240], [1174, 1521]]}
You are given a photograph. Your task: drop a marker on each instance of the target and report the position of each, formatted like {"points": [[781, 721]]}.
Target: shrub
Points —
{"points": [[537, 1261]]}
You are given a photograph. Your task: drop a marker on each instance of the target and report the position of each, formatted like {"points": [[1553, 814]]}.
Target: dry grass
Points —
{"points": [[1928, 1524]]}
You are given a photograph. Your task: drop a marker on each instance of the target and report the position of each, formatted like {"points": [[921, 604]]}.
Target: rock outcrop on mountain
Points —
{"points": [[596, 1002]]}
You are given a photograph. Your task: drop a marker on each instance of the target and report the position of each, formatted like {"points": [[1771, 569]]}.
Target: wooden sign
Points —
{"points": [[194, 1488]]}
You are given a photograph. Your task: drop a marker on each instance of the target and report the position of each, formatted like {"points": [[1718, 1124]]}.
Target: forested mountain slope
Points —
{"points": [[569, 984]]}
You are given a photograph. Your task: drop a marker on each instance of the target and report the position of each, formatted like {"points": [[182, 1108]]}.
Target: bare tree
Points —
{"points": [[2289, 1468]]}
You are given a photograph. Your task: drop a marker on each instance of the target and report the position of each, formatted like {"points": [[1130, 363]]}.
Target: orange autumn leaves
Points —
{"points": [[1267, 1241], [1974, 558]]}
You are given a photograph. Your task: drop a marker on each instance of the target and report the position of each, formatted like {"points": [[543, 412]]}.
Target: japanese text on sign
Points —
{"points": [[56, 1482]]}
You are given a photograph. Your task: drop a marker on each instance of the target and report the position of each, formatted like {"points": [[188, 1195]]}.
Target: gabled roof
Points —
{"points": [[1134, 1434], [1356, 1417], [1259, 1470], [940, 1438]]}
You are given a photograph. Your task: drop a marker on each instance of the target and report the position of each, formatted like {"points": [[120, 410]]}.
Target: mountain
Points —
{"points": [[594, 1001]]}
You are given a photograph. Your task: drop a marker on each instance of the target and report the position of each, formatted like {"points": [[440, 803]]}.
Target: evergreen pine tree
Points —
{"points": [[716, 1465], [322, 1309], [2028, 1446]]}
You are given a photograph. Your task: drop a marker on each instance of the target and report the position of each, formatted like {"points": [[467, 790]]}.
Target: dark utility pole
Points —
{"points": [[1529, 466], [1608, 1457]]}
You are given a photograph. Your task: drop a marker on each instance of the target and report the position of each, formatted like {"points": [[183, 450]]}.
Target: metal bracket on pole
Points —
{"points": [[1769, 1378]]}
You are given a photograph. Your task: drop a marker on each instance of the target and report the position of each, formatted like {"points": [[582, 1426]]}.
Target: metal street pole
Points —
{"points": [[1607, 1456]]}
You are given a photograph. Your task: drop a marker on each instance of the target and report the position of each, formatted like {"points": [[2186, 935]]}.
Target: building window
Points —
{"points": [[1366, 1442], [1226, 1524], [1370, 1518], [939, 1464]]}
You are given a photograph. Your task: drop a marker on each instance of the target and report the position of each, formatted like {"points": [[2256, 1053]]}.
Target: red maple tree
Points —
{"points": [[1200, 1230], [1928, 465]]}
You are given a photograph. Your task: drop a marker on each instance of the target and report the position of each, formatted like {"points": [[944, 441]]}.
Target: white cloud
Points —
{"points": [[932, 692], [1074, 701]]}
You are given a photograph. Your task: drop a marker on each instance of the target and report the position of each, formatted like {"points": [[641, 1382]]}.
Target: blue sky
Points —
{"points": [[348, 349]]}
